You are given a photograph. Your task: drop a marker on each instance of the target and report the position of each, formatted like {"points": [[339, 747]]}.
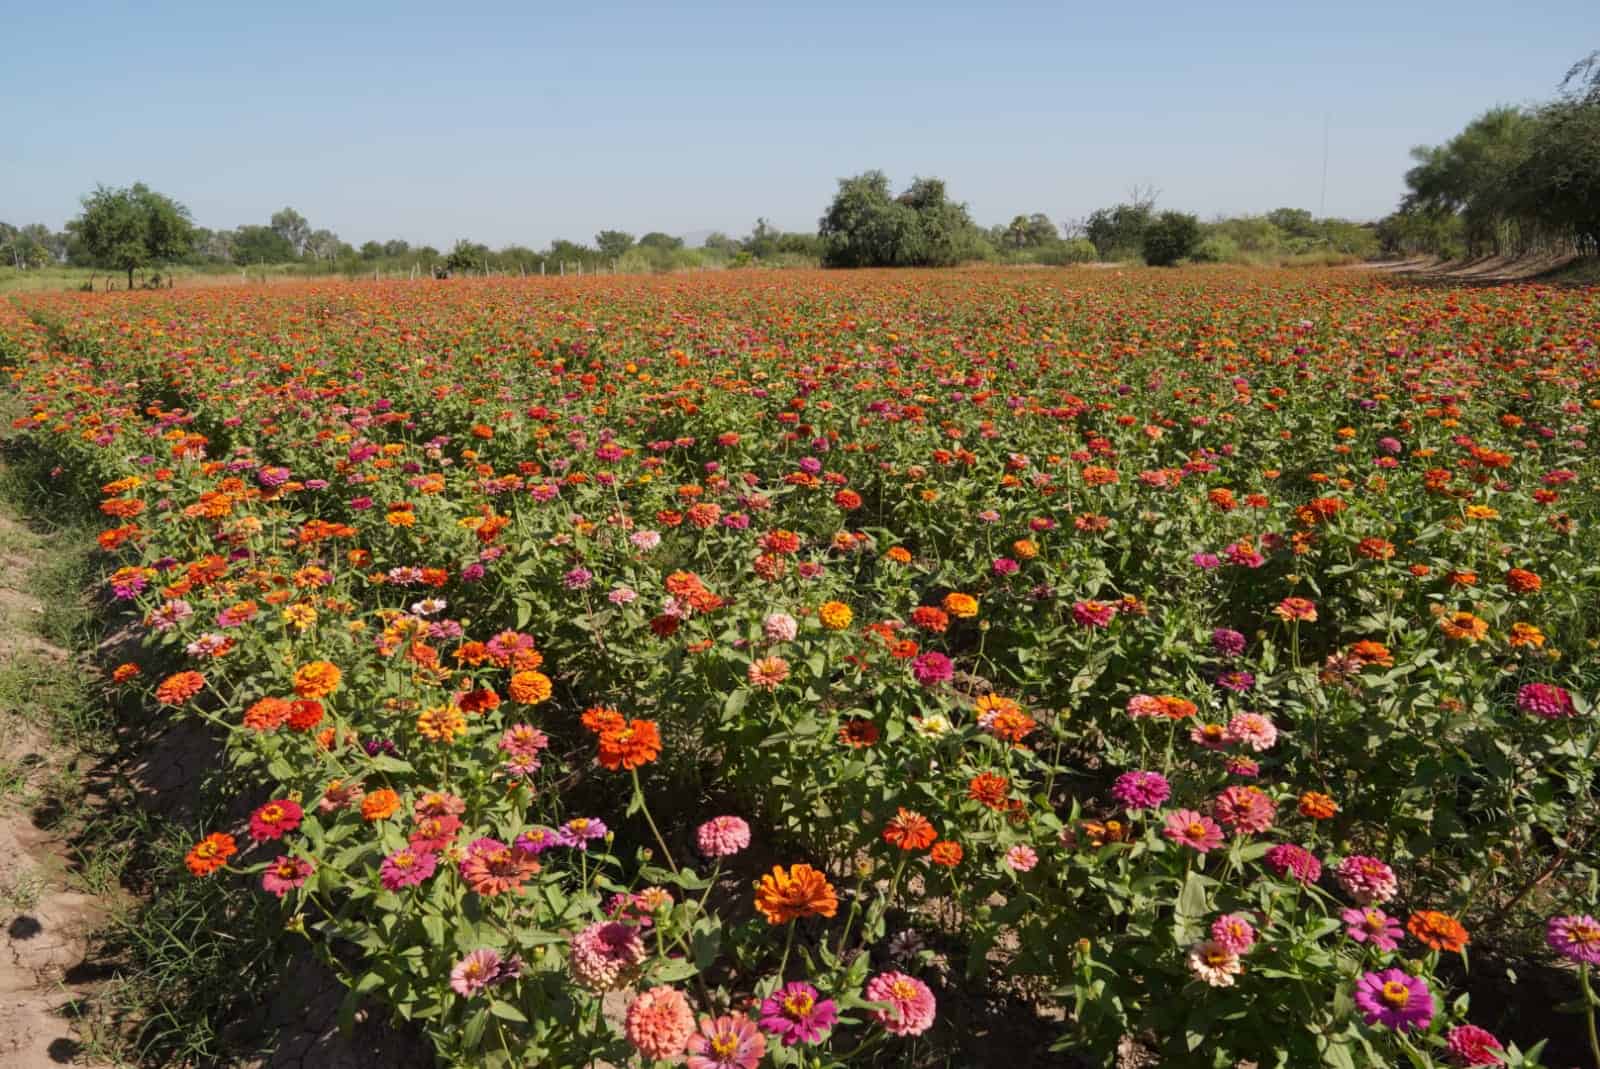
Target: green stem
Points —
{"points": [[788, 944], [1588, 1012], [645, 809]]}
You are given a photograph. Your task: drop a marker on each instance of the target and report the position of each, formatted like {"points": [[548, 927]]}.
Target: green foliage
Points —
{"points": [[132, 228], [1170, 237], [613, 243], [865, 227], [260, 245]]}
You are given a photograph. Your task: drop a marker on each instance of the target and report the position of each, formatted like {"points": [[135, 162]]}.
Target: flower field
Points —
{"points": [[790, 669]]}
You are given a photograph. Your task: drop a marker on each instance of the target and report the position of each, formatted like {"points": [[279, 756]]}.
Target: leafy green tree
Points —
{"points": [[396, 247], [613, 243], [292, 227], [866, 227], [1557, 182], [371, 250], [721, 244], [1118, 232], [1170, 237], [261, 245], [657, 240], [466, 255], [131, 228]]}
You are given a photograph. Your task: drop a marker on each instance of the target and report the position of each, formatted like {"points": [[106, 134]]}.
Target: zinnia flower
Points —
{"points": [[911, 1004], [1234, 932], [659, 1023], [285, 874], [1546, 700], [1372, 926], [909, 831], [1394, 999], [210, 854], [1022, 858], [1469, 1045], [275, 820], [1214, 963], [1438, 931], [728, 1042], [932, 668], [722, 836], [1188, 828], [1366, 879], [796, 1013], [407, 868], [483, 968], [1141, 790], [1576, 937], [794, 893], [606, 956], [1287, 859], [1245, 809]]}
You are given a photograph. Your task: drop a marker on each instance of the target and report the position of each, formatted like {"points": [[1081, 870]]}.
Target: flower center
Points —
{"points": [[1586, 934], [272, 814], [1196, 830], [1396, 994], [902, 989], [798, 1005], [725, 1044]]}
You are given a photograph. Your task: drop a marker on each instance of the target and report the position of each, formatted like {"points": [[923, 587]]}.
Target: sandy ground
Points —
{"points": [[47, 922]]}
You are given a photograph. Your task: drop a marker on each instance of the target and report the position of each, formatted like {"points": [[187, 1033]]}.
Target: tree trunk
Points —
{"points": [[130, 280]]}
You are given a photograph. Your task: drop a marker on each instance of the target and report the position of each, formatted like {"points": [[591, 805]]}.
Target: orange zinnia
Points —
{"points": [[1464, 626], [530, 687], [210, 854], [909, 831], [800, 891], [629, 747], [946, 853], [177, 689], [1317, 806], [990, 789], [379, 805], [316, 680], [1439, 931]]}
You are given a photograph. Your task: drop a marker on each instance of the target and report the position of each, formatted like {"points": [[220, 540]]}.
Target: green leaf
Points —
{"points": [[506, 1011]]}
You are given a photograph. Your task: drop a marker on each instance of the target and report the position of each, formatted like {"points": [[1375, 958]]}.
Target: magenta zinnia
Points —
{"points": [[796, 1013], [1394, 999]]}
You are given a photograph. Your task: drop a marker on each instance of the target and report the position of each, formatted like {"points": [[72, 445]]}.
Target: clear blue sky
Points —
{"points": [[526, 122]]}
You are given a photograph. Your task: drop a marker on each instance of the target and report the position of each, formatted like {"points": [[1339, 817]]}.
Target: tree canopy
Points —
{"points": [[132, 228]]}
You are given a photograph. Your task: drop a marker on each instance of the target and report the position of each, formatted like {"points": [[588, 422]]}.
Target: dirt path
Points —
{"points": [[46, 914], [1484, 269]]}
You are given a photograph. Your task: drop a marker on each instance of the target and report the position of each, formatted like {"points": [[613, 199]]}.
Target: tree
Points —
{"points": [[465, 255], [613, 243], [292, 227], [322, 245], [396, 247], [657, 240], [261, 245], [866, 227], [1119, 231], [371, 250], [1170, 237], [720, 243], [132, 228]]}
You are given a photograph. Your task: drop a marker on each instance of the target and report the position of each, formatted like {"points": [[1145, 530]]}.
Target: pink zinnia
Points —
{"points": [[1287, 859], [1188, 828], [1234, 932], [911, 1005], [1575, 937], [1245, 809], [1470, 1045], [606, 956], [722, 837], [1253, 730], [1394, 999], [780, 627], [728, 1042], [285, 874], [1141, 706], [1093, 613], [1141, 790], [1022, 858], [275, 820], [1372, 926], [1366, 879], [407, 868], [796, 1013], [475, 972], [932, 668], [1546, 700], [659, 1023]]}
